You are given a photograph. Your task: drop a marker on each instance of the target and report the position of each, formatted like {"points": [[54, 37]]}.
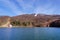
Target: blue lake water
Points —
{"points": [[30, 33]]}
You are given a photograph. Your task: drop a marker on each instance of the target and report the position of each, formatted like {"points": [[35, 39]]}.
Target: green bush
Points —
{"points": [[24, 24], [15, 23]]}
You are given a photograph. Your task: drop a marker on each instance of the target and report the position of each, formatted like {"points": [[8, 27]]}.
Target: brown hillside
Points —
{"points": [[29, 20]]}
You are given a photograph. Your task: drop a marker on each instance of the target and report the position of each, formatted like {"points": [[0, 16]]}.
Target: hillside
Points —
{"points": [[28, 20], [4, 20]]}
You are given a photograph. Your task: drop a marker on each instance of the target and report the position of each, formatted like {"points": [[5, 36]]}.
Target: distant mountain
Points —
{"points": [[28, 20]]}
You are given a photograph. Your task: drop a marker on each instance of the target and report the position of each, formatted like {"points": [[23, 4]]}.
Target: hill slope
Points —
{"points": [[27, 20]]}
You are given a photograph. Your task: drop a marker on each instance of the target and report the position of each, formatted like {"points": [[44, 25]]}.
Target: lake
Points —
{"points": [[36, 33]]}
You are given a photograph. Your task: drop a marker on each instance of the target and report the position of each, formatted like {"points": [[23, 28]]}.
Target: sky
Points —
{"points": [[18, 7]]}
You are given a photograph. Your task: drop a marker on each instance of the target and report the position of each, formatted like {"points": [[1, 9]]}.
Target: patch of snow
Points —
{"points": [[35, 15]]}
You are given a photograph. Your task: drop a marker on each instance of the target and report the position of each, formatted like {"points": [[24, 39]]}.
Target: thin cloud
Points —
{"points": [[46, 9], [30, 6], [26, 6], [12, 6]]}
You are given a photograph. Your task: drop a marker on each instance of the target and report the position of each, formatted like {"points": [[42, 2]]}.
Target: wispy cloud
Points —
{"points": [[12, 6], [45, 9], [30, 6], [26, 6]]}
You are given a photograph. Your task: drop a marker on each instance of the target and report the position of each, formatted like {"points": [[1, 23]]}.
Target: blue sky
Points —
{"points": [[18, 7]]}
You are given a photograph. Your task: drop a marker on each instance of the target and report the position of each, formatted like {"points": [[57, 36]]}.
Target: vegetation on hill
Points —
{"points": [[28, 20]]}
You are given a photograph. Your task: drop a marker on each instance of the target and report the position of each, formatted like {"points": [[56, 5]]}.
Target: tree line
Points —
{"points": [[18, 23]]}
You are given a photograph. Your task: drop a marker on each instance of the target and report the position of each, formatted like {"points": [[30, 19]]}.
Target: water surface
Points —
{"points": [[30, 33]]}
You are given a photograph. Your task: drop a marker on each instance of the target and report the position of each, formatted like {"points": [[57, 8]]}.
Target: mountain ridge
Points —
{"points": [[28, 20]]}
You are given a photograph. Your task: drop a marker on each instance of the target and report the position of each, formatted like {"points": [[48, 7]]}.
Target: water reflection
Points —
{"points": [[22, 34], [36, 33], [47, 33], [5, 33]]}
